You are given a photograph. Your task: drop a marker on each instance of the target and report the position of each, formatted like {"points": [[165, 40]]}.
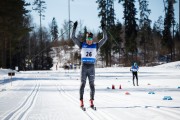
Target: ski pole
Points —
{"points": [[117, 44], [52, 42]]}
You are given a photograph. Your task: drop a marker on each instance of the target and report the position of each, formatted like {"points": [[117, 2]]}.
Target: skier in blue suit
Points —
{"points": [[134, 69], [88, 59]]}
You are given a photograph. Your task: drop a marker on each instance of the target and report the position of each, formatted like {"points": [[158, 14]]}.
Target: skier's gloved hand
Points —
{"points": [[75, 25]]}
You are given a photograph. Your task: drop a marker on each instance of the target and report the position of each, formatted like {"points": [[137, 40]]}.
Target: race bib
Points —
{"points": [[88, 53], [134, 68]]}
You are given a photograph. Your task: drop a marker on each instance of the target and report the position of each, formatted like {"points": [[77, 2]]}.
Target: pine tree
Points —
{"points": [[158, 25], [54, 30], [84, 34], [177, 42], [157, 35], [103, 9], [40, 8], [117, 40], [12, 29], [145, 29], [167, 40], [110, 13], [107, 16], [54, 36], [130, 27]]}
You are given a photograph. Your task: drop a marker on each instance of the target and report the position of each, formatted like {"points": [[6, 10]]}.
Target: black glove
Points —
{"points": [[75, 25], [103, 25]]}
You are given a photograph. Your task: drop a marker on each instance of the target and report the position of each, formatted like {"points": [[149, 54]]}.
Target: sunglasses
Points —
{"points": [[89, 38]]}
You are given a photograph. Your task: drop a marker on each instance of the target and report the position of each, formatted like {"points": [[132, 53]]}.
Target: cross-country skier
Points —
{"points": [[134, 68], [88, 58]]}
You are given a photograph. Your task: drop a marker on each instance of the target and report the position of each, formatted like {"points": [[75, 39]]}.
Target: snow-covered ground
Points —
{"points": [[54, 95]]}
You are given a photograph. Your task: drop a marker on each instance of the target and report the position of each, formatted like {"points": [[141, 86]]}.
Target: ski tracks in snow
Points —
{"points": [[104, 112], [112, 105], [20, 112], [126, 108], [92, 114]]}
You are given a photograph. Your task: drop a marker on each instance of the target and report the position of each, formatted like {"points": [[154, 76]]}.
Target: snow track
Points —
{"points": [[49, 95], [20, 111], [92, 114]]}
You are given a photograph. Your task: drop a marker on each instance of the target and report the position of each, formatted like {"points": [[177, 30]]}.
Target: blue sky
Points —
{"points": [[86, 12]]}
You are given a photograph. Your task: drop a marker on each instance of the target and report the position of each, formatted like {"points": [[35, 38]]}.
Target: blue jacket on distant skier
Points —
{"points": [[134, 67]]}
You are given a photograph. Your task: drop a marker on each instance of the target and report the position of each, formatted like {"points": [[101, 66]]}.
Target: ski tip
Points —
{"points": [[83, 108], [94, 108]]}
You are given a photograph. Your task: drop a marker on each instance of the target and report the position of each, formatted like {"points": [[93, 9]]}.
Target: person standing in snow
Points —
{"points": [[88, 59], [134, 69]]}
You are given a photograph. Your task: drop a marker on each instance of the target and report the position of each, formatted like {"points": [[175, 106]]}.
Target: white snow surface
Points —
{"points": [[54, 95]]}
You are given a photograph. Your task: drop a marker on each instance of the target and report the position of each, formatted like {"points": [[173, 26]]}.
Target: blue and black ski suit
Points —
{"points": [[134, 69], [88, 59]]}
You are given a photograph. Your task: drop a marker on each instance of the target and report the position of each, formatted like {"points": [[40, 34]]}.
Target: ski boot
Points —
{"points": [[92, 104], [82, 105]]}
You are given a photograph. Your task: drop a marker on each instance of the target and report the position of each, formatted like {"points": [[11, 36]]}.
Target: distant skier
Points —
{"points": [[134, 68], [88, 58]]}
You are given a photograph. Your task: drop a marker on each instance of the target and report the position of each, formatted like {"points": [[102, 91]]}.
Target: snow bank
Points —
{"points": [[171, 65]]}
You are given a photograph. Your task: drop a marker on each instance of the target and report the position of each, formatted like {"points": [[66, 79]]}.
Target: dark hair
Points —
{"points": [[89, 34]]}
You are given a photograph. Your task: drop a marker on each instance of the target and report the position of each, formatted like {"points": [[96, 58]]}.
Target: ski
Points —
{"points": [[93, 107], [83, 108]]}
